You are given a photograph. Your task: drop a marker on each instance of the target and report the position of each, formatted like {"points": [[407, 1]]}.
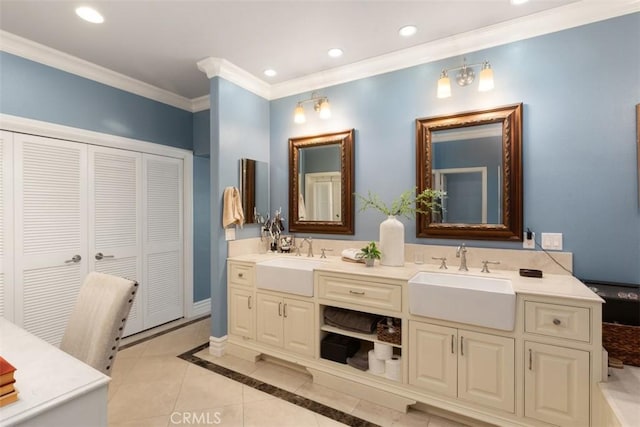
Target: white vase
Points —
{"points": [[392, 242]]}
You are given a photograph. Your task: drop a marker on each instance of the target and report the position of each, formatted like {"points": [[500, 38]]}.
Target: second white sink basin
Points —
{"points": [[481, 301], [287, 274]]}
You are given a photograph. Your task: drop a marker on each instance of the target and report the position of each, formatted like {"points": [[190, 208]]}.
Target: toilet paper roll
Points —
{"points": [[393, 368], [376, 366], [383, 351]]}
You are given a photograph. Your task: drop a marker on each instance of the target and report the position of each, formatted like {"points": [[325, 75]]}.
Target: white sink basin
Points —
{"points": [[482, 301], [287, 274]]}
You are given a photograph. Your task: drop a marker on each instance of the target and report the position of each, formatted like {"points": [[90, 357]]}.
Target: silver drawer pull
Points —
{"points": [[249, 303], [530, 359], [556, 322], [356, 292], [100, 256], [75, 259]]}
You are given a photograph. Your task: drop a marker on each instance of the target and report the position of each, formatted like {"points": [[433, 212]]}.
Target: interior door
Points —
{"points": [[6, 225], [162, 206], [50, 232], [115, 217]]}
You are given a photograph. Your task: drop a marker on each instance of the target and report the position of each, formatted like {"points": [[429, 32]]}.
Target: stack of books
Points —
{"points": [[8, 392]]}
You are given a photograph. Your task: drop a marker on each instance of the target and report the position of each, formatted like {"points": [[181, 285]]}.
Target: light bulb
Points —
{"points": [[486, 78], [90, 15], [298, 116], [444, 86], [325, 110]]}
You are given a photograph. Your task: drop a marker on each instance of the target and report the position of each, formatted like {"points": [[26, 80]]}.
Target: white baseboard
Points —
{"points": [[201, 308], [217, 345]]}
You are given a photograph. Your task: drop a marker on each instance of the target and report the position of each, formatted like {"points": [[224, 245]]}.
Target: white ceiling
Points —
{"points": [[159, 42]]}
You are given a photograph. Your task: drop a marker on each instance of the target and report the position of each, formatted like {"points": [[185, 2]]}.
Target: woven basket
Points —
{"points": [[622, 342], [386, 336]]}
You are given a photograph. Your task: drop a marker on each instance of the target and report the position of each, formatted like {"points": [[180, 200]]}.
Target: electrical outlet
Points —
{"points": [[529, 243], [552, 241]]}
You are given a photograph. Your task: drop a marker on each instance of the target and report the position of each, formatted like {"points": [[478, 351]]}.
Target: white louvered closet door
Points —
{"points": [[6, 225], [162, 239], [115, 217], [50, 232]]}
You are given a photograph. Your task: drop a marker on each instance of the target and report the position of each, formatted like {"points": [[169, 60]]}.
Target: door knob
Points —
{"points": [[100, 256], [75, 259]]}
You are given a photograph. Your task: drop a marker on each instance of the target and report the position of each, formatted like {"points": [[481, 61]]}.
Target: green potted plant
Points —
{"points": [[370, 253], [391, 230]]}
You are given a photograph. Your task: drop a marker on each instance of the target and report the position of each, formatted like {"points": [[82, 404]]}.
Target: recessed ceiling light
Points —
{"points": [[335, 52], [270, 72], [517, 2], [407, 30], [90, 14]]}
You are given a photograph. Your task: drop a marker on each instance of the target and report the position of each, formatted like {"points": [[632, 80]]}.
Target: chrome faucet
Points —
{"points": [[309, 244], [461, 253]]}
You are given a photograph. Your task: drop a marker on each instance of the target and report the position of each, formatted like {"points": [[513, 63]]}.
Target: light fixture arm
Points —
{"points": [[316, 98]]}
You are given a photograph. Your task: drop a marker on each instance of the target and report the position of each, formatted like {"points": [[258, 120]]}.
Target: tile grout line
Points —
{"points": [[277, 392]]}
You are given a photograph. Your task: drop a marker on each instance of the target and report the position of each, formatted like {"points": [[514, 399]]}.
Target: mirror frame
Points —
{"points": [[511, 118], [346, 141]]}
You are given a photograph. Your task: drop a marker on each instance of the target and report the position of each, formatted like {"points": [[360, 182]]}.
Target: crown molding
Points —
{"points": [[549, 21], [37, 52], [218, 67], [200, 104]]}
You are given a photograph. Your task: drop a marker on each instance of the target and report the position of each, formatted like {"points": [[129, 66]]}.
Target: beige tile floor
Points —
{"points": [[152, 387]]}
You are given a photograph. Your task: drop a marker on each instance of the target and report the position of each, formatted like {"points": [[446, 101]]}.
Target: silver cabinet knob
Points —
{"points": [[556, 322], [100, 256], [76, 259]]}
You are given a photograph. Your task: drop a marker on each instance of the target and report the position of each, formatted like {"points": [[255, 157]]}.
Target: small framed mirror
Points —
{"points": [[321, 183], [254, 189], [474, 157]]}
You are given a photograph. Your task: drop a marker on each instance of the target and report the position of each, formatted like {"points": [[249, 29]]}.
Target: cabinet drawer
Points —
{"points": [[560, 321], [367, 293], [240, 274]]}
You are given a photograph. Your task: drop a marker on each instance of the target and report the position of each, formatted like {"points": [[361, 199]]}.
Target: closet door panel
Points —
{"points": [[50, 232], [115, 217], [6, 225], [163, 239]]}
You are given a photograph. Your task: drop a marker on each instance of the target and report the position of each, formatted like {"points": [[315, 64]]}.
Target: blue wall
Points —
{"points": [[579, 88], [40, 92], [239, 128], [32, 90]]}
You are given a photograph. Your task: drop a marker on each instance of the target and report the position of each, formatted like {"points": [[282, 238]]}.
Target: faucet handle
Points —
{"points": [[323, 255], [443, 264], [485, 267]]}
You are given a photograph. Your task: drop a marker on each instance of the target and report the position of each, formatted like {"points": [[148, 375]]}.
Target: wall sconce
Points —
{"points": [[465, 77], [320, 104]]}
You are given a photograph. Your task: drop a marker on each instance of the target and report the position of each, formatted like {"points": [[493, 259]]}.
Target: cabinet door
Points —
{"points": [[115, 217], [269, 325], [50, 232], [299, 326], [162, 239], [6, 225], [432, 360], [486, 371], [556, 384], [241, 313]]}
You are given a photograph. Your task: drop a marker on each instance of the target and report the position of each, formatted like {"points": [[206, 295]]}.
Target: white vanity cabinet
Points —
{"points": [[473, 366], [286, 322], [241, 300], [558, 365]]}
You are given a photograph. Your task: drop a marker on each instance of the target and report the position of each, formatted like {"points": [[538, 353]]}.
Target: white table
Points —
{"points": [[55, 389]]}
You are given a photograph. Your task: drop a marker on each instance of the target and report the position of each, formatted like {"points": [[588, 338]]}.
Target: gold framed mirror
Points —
{"points": [[321, 183], [476, 158]]}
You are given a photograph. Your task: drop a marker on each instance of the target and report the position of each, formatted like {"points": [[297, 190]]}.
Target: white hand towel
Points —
{"points": [[232, 212], [352, 254]]}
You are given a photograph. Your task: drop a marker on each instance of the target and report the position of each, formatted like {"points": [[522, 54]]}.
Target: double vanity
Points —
{"points": [[496, 347]]}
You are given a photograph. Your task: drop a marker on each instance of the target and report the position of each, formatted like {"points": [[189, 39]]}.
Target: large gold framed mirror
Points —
{"points": [[321, 183], [474, 157]]}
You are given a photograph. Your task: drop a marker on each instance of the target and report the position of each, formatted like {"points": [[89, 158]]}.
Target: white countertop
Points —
{"points": [[46, 376], [556, 285], [622, 392]]}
